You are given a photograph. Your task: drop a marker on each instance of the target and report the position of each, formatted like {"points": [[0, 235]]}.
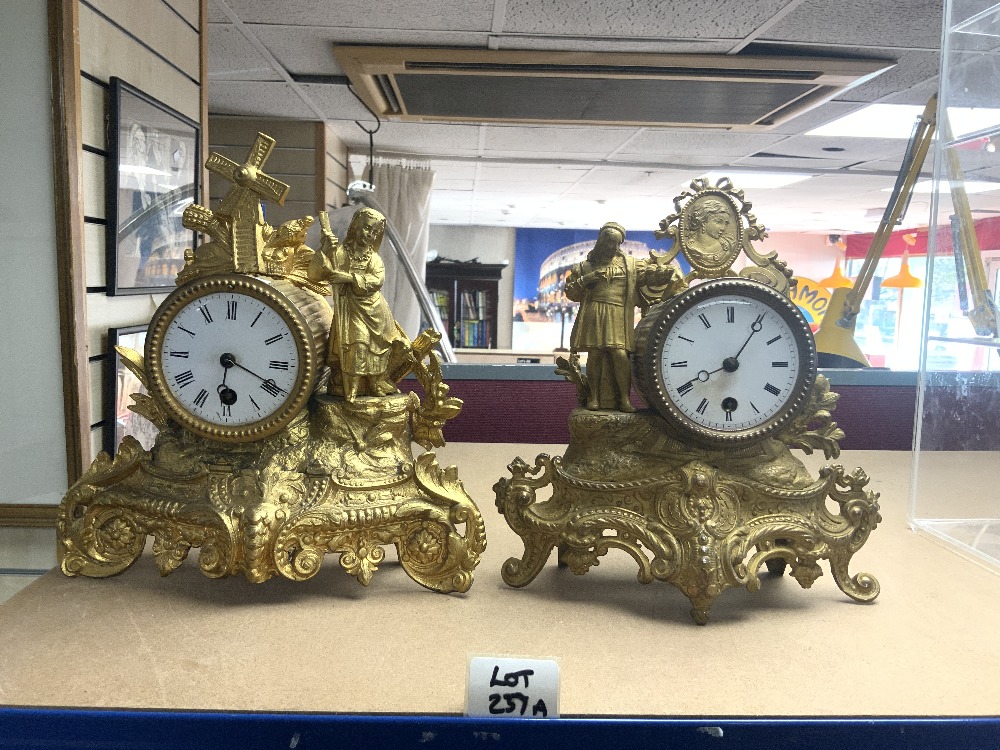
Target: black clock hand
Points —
{"points": [[228, 360], [699, 377], [754, 328]]}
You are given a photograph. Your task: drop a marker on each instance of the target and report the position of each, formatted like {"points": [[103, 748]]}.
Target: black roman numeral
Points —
{"points": [[179, 354], [729, 416], [227, 410], [231, 310], [681, 390], [682, 363], [771, 341], [270, 387], [730, 314], [704, 320], [779, 364], [256, 319], [755, 409], [702, 406], [685, 338], [206, 314], [772, 390], [278, 364], [201, 398], [274, 339], [185, 378], [255, 404], [186, 330]]}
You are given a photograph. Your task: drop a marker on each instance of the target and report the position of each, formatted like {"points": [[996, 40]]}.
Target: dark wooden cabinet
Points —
{"points": [[466, 296]]}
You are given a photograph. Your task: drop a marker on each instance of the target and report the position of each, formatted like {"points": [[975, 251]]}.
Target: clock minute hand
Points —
{"points": [[754, 328], [228, 360]]}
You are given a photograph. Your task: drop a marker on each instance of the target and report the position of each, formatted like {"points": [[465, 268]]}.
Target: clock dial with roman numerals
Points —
{"points": [[727, 362], [230, 357]]}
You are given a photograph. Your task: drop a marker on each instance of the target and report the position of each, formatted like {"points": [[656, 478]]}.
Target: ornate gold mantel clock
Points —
{"points": [[263, 460], [701, 489]]}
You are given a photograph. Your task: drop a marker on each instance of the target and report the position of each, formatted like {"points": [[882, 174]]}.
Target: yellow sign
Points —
{"points": [[812, 299]]}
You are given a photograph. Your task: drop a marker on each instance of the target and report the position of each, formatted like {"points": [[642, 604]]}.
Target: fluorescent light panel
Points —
{"points": [[896, 121], [971, 186]]}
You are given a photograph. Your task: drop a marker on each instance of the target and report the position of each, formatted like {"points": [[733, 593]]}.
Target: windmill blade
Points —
{"points": [[260, 150], [222, 165], [268, 187]]}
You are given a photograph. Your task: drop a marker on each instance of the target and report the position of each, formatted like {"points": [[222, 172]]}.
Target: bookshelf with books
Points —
{"points": [[466, 296]]}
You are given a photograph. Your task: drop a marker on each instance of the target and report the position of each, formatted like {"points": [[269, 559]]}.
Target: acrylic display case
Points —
{"points": [[957, 437]]}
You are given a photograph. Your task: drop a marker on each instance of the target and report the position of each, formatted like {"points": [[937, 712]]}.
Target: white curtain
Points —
{"points": [[403, 190]]}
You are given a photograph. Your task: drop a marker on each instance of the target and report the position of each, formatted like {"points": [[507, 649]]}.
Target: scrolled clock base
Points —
{"points": [[701, 520], [341, 479]]}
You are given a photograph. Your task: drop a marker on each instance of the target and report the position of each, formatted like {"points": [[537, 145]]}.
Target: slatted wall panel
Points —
{"points": [[157, 46], [308, 157]]}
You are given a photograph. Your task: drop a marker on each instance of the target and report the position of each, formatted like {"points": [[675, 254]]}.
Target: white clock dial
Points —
{"points": [[232, 357], [727, 362], [730, 363], [229, 359]]}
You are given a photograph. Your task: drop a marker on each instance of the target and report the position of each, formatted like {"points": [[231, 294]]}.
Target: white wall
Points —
{"points": [[32, 425], [808, 255], [490, 245]]}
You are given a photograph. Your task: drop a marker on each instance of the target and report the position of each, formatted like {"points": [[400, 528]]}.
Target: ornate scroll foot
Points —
{"points": [[862, 587], [518, 573]]}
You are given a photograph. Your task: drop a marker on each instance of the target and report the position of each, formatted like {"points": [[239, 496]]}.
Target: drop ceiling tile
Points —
{"points": [[557, 142], [263, 99], [695, 146], [336, 102], [454, 170], [765, 163], [530, 174], [416, 138], [815, 117], [468, 15], [309, 49], [233, 58], [913, 68], [892, 166], [711, 19], [854, 149], [907, 23], [654, 179]]}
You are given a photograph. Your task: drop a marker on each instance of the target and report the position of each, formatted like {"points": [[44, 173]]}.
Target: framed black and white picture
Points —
{"points": [[152, 176], [119, 421]]}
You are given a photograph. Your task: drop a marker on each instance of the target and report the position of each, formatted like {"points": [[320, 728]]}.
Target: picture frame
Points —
{"points": [[120, 384], [152, 175]]}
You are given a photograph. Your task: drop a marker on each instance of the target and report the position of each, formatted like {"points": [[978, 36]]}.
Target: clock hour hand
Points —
{"points": [[702, 376], [229, 360]]}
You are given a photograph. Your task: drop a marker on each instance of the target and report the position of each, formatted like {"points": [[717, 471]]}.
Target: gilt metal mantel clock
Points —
{"points": [[272, 372], [700, 488]]}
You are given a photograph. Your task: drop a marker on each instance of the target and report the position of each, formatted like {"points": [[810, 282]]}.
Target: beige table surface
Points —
{"points": [[928, 646]]}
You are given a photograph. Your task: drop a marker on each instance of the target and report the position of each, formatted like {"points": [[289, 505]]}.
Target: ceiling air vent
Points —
{"points": [[716, 91]]}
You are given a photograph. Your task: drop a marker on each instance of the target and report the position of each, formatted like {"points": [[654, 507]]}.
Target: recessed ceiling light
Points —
{"points": [[896, 121], [757, 180]]}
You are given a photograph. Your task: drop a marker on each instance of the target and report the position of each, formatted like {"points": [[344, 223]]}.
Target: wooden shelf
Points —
{"points": [[467, 298]]}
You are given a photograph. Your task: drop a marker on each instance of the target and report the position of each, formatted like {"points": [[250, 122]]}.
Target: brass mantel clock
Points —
{"points": [[263, 460], [233, 357], [701, 489], [727, 362]]}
